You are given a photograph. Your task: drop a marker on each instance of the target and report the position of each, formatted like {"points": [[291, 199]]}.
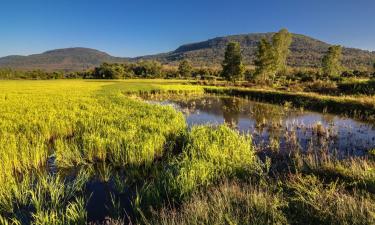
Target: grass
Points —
{"points": [[228, 203], [202, 175], [45, 199], [76, 123], [313, 202], [211, 153], [356, 86]]}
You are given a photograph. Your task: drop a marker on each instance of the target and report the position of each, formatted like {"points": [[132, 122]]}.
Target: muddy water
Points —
{"points": [[274, 126]]}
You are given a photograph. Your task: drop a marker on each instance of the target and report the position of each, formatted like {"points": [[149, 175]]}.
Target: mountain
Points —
{"points": [[68, 59], [305, 51]]}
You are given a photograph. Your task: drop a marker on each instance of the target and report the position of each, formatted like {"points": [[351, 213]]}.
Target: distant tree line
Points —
{"points": [[10, 74], [144, 69], [150, 69]]}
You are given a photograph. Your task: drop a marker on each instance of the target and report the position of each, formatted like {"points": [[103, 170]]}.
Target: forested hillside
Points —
{"points": [[68, 59], [305, 51]]}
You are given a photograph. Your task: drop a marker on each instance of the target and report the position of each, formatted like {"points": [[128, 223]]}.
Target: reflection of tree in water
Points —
{"points": [[268, 118], [328, 118], [210, 105], [231, 110]]}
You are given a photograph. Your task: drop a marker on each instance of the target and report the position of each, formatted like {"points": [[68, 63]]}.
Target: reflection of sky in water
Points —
{"points": [[263, 121]]}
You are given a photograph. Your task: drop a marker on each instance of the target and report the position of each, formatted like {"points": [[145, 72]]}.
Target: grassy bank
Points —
{"points": [[361, 107]]}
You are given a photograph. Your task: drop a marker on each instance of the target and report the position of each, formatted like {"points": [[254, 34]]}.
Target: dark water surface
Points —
{"points": [[274, 126]]}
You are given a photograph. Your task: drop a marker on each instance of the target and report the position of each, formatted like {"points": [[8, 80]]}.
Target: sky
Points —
{"points": [[141, 27]]}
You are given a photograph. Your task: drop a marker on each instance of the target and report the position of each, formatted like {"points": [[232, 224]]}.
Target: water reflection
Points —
{"points": [[274, 126]]}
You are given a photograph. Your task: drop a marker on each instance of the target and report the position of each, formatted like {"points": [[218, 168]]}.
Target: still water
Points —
{"points": [[274, 126]]}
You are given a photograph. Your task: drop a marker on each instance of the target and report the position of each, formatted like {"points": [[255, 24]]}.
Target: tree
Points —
{"points": [[148, 69], [332, 62], [281, 42], [185, 68], [233, 68], [128, 70], [272, 58], [109, 71], [265, 61]]}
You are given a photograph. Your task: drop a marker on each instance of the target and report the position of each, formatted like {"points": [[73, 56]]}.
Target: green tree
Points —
{"points": [[148, 69], [332, 62], [233, 69], [109, 71], [281, 42], [272, 58], [265, 61], [184, 68]]}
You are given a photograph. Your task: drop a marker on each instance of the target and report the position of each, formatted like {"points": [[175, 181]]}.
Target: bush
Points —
{"points": [[303, 75], [210, 154]]}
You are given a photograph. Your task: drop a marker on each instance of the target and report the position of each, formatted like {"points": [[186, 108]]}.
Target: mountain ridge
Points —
{"points": [[65, 59], [305, 52]]}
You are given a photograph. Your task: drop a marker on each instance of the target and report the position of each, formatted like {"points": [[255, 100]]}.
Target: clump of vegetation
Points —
{"points": [[44, 199], [209, 155]]}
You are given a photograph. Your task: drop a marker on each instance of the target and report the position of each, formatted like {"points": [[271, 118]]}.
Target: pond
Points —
{"points": [[275, 126]]}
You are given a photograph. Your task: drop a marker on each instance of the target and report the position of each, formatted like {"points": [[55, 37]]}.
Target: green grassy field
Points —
{"points": [[203, 175]]}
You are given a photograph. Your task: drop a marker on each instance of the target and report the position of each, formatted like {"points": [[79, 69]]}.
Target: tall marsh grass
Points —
{"points": [[229, 203], [72, 123], [210, 154]]}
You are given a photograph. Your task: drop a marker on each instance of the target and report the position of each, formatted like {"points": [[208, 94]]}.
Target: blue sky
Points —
{"points": [[140, 27]]}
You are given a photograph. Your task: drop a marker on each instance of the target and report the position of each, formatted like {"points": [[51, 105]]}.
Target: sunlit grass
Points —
{"points": [[211, 154], [75, 123]]}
